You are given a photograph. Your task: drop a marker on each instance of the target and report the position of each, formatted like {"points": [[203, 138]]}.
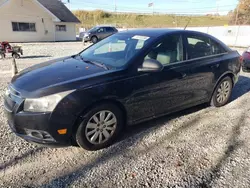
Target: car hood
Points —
{"points": [[53, 74]]}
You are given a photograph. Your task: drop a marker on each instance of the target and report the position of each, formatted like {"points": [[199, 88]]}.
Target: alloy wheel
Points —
{"points": [[223, 92], [100, 127]]}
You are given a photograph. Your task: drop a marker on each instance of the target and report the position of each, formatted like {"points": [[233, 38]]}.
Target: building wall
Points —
{"points": [[69, 34], [29, 11], [230, 35]]}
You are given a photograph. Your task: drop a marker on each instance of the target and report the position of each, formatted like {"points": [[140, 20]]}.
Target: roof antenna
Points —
{"points": [[187, 23]]}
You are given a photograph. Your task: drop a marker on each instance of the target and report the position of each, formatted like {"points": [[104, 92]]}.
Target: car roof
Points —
{"points": [[103, 26], [164, 31], [150, 32], [159, 32]]}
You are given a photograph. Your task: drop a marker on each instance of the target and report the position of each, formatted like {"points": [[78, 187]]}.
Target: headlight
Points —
{"points": [[7, 92], [86, 34], [44, 104]]}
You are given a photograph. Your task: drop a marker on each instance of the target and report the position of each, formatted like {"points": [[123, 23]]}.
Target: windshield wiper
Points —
{"points": [[102, 65]]}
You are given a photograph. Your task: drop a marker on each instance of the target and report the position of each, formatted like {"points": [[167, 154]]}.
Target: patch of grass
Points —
{"points": [[92, 18]]}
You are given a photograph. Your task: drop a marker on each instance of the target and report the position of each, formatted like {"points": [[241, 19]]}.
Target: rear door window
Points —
{"points": [[109, 29], [198, 46]]}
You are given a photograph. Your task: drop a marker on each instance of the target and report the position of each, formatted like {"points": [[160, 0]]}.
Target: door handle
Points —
{"points": [[215, 66], [183, 75]]}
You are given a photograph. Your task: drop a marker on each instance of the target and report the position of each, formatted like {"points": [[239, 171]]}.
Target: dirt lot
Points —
{"points": [[199, 147]]}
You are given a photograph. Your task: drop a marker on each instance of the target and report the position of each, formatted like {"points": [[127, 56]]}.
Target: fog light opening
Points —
{"points": [[41, 135], [37, 134]]}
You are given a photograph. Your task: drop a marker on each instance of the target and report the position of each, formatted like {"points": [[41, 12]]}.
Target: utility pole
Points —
{"points": [[176, 23], [115, 7], [115, 12], [153, 8], [237, 14]]}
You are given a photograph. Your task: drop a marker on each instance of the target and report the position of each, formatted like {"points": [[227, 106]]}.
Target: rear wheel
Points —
{"points": [[99, 127], [16, 55], [94, 39], [222, 92]]}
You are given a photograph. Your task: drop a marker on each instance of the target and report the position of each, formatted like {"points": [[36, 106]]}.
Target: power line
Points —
{"points": [[136, 9], [127, 7], [158, 10]]}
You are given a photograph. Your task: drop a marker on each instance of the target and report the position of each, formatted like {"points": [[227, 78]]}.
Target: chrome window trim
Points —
{"points": [[195, 59]]}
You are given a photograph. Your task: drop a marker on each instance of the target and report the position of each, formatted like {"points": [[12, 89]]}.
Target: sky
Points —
{"points": [[160, 6]]}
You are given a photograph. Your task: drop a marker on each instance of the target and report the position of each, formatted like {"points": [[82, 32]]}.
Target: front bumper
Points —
{"points": [[24, 124], [86, 38], [20, 123], [36, 140]]}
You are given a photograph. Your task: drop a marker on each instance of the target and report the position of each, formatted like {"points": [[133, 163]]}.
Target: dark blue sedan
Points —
{"points": [[127, 78]]}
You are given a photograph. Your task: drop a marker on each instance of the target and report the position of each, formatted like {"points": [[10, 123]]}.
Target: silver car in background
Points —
{"points": [[97, 33]]}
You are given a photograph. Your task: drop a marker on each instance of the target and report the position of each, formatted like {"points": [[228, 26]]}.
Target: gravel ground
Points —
{"points": [[199, 147]]}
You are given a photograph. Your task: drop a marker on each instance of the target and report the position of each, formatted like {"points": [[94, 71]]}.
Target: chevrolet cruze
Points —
{"points": [[127, 78]]}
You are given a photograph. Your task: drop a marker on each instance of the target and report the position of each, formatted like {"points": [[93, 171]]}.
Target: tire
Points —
{"points": [[96, 139], [2, 56], [15, 55], [94, 39], [223, 88]]}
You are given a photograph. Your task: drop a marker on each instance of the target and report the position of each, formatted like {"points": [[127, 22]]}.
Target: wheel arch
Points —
{"points": [[230, 74], [93, 37], [102, 101]]}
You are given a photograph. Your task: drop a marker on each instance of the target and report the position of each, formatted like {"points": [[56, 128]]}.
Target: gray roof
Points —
{"points": [[57, 8]]}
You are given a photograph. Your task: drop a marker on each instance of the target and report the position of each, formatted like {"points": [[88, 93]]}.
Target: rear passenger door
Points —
{"points": [[203, 59]]}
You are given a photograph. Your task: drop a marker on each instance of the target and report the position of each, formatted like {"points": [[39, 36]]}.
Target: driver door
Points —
{"points": [[167, 90]]}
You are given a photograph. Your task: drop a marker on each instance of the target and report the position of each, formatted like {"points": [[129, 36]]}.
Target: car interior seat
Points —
{"points": [[201, 49], [167, 52]]}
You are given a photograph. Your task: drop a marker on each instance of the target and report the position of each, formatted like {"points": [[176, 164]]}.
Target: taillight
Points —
{"points": [[246, 55], [241, 59]]}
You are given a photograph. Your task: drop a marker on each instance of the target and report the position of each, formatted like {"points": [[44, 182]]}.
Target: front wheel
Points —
{"points": [[94, 39], [99, 127], [222, 92], [16, 55]]}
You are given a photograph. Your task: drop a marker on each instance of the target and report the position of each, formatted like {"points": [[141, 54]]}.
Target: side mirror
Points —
{"points": [[150, 65]]}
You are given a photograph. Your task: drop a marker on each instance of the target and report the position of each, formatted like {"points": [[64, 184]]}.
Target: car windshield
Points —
{"points": [[116, 50]]}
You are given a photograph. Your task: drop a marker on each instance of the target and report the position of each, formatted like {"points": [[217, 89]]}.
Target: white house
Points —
{"points": [[36, 20]]}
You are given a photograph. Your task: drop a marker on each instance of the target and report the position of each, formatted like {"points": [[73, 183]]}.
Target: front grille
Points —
{"points": [[13, 91], [12, 97]]}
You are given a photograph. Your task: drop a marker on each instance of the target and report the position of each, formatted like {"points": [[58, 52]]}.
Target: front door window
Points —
{"points": [[169, 50]]}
